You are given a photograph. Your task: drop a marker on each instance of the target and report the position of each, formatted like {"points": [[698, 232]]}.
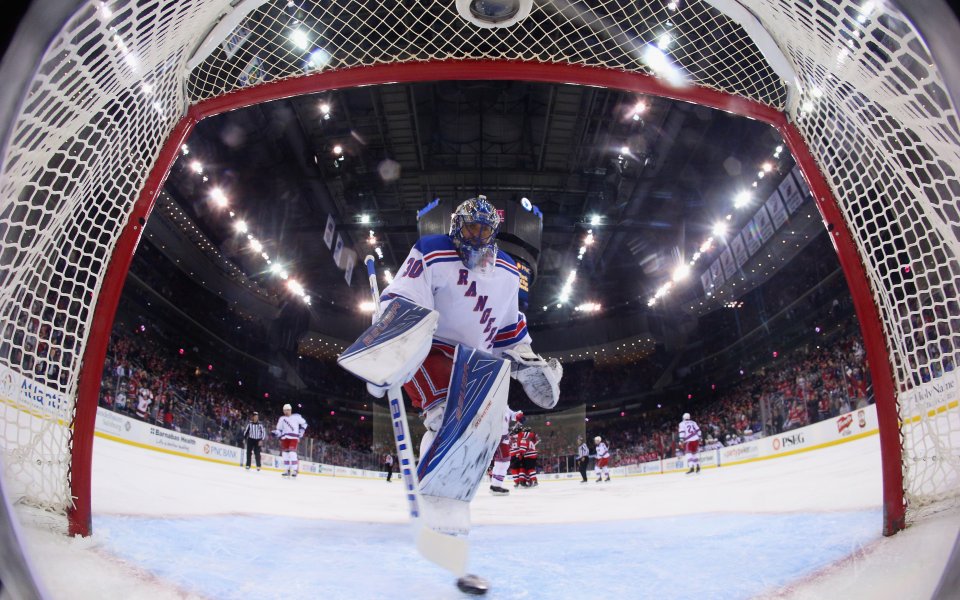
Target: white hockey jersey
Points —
{"points": [[509, 415], [479, 311], [689, 431], [291, 427], [602, 451]]}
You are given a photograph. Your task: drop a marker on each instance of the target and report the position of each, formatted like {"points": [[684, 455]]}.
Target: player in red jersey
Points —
{"points": [[527, 441]]}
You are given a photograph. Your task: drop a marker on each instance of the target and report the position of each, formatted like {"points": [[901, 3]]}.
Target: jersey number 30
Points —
{"points": [[414, 268]]}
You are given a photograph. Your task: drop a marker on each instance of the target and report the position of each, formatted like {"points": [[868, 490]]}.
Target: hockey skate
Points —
{"points": [[690, 472], [698, 468], [496, 490], [599, 479], [285, 474], [607, 478]]}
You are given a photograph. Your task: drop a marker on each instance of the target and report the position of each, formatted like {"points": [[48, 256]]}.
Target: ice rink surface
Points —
{"points": [[804, 526]]}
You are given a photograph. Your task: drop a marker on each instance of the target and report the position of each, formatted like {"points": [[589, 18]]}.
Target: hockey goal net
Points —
{"points": [[852, 86]]}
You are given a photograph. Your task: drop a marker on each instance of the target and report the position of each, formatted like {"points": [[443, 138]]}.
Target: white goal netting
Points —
{"points": [[118, 77]]}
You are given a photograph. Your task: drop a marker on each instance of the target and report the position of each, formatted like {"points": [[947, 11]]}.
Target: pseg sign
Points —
{"points": [[788, 441]]}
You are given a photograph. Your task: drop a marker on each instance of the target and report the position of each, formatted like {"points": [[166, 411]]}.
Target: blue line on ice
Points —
{"points": [[715, 556]]}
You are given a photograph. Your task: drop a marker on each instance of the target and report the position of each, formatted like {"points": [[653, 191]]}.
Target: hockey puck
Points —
{"points": [[473, 585]]}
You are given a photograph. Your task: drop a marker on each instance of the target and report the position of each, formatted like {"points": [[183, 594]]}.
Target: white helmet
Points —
{"points": [[287, 407], [597, 439], [686, 416]]}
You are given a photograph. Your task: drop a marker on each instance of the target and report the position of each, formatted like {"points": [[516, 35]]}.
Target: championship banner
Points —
{"points": [[716, 271], [729, 268], [764, 224], [793, 195], [338, 250], [706, 279], [348, 269], [777, 210], [328, 232], [252, 73], [751, 235], [739, 250]]}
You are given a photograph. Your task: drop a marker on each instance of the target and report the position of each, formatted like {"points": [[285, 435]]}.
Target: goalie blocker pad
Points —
{"points": [[453, 467], [394, 347]]}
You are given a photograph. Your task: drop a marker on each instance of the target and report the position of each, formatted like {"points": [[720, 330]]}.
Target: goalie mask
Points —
{"points": [[473, 228]]}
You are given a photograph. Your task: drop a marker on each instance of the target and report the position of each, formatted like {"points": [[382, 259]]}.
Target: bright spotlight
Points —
{"points": [[364, 219], [720, 229], [624, 150], [256, 245], [295, 286], [241, 227], [767, 167], [664, 41], [300, 39], [655, 60], [218, 197], [681, 272], [318, 59], [595, 220], [325, 108], [366, 306], [742, 199], [197, 167], [275, 268], [387, 276], [338, 149]]}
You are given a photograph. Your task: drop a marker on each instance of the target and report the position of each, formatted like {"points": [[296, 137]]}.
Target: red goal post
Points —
{"points": [[80, 174]]}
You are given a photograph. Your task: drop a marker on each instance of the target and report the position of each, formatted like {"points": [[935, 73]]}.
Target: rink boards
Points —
{"points": [[847, 427], [127, 430]]}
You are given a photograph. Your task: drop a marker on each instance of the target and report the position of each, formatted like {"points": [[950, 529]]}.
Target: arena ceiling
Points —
{"points": [[657, 173]]}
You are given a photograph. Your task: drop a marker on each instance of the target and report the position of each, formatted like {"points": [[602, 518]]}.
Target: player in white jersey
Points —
{"points": [[690, 438], [474, 286], [501, 458], [603, 459], [144, 400], [290, 428], [455, 301]]}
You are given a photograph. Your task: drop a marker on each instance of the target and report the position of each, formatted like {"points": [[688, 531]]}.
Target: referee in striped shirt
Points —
{"points": [[253, 435]]}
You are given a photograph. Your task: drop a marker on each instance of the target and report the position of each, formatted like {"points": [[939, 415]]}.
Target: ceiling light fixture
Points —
{"points": [[300, 39], [218, 197]]}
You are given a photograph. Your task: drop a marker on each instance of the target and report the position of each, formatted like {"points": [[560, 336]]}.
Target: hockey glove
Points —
{"points": [[540, 378]]}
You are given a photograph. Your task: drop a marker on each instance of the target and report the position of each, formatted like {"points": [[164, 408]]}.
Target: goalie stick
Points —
{"points": [[447, 551]]}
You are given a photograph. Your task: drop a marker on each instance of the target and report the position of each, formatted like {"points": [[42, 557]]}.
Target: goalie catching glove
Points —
{"points": [[539, 377]]}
